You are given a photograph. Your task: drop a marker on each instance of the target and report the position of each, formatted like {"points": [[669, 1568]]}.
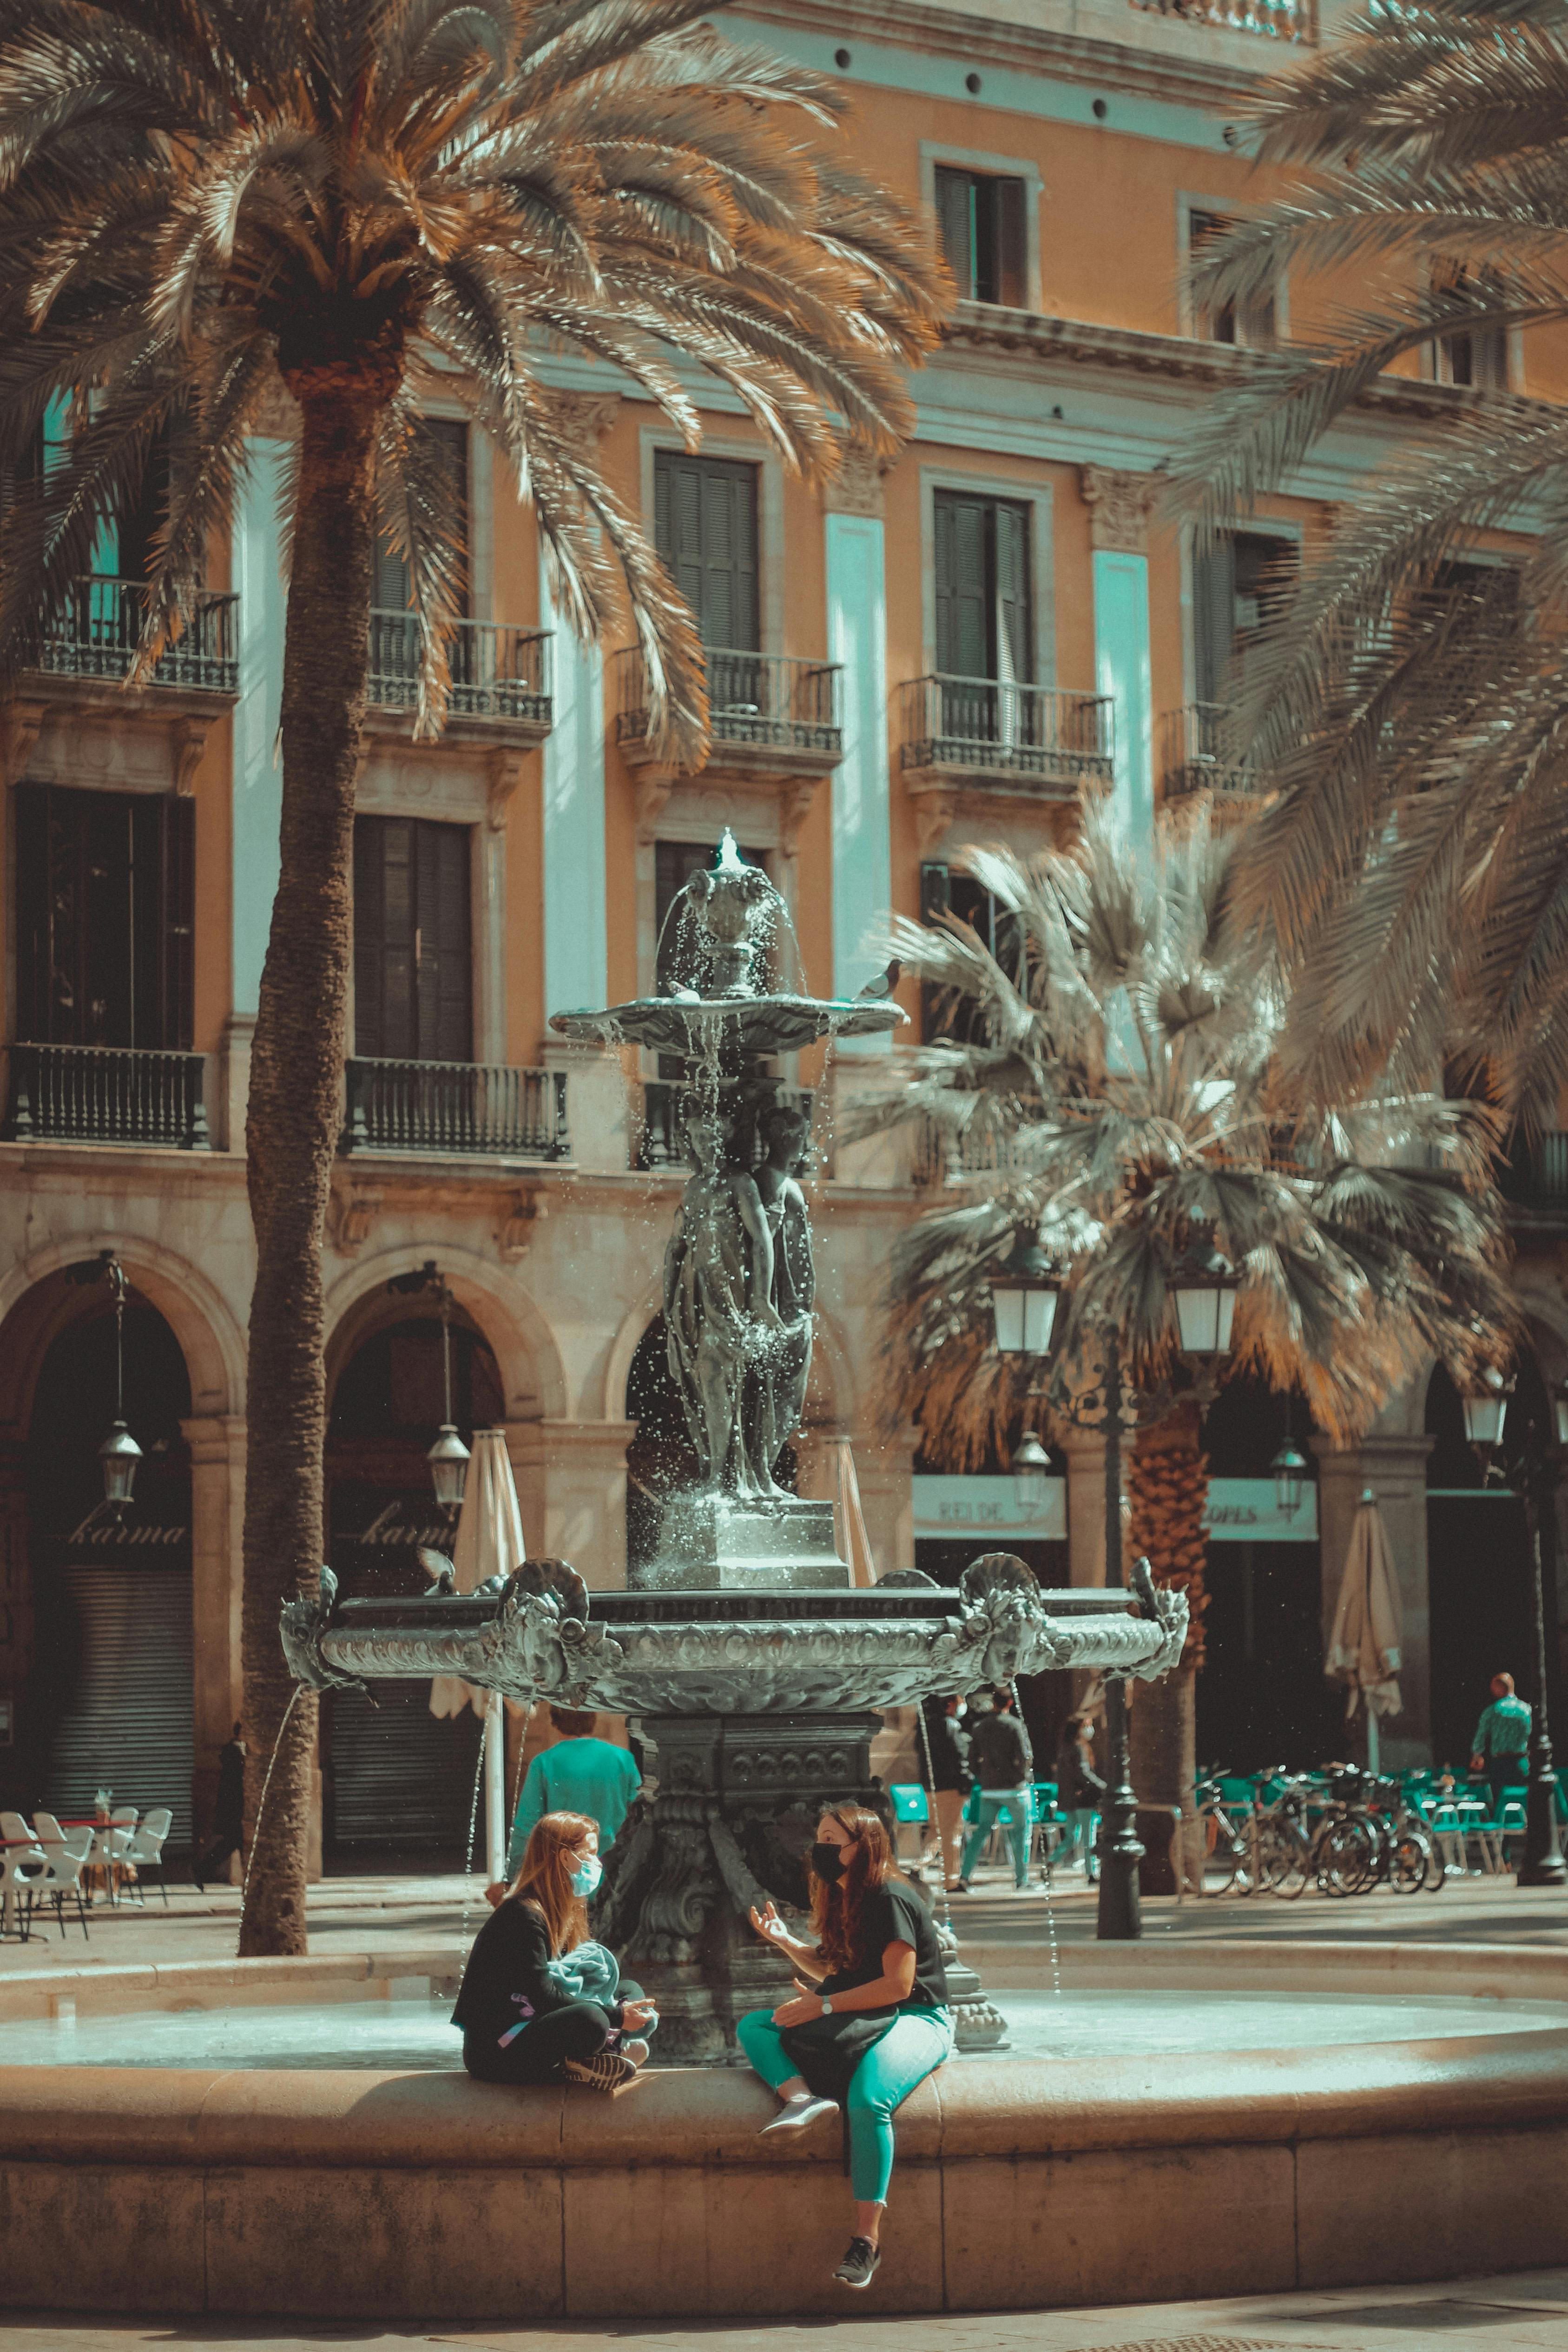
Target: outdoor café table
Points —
{"points": [[8, 1902], [103, 1872]]}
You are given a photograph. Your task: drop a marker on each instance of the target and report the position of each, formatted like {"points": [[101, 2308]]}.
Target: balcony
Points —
{"points": [[106, 1094], [780, 712], [97, 630], [1198, 753], [469, 1110], [661, 1143], [1533, 1180], [980, 738], [501, 676], [941, 1157], [1294, 21]]}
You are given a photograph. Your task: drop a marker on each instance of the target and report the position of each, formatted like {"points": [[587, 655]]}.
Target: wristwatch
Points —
{"points": [[826, 2006]]}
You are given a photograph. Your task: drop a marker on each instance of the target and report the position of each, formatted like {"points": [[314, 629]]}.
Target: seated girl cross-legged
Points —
{"points": [[540, 2000]]}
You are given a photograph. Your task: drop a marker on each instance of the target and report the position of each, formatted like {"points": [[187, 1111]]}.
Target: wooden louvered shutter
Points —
{"points": [[1011, 249], [443, 961], [954, 213], [1214, 618], [177, 912], [705, 521], [371, 1037], [35, 899], [963, 617], [1014, 625]]}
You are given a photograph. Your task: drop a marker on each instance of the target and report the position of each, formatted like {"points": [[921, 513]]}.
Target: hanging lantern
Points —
{"points": [[1024, 1293], [1031, 1468], [1484, 1410], [1288, 1470], [448, 1460], [1205, 1289], [120, 1455]]}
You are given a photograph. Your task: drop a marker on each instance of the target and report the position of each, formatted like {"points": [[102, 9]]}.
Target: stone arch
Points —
{"points": [[33, 1310], [533, 1377], [628, 1338]]}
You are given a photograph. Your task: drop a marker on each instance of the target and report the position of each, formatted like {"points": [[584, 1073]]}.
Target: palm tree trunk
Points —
{"points": [[1168, 1490], [293, 1122]]}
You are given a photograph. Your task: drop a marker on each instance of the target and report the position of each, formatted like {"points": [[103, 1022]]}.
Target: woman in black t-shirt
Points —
{"points": [[876, 1969]]}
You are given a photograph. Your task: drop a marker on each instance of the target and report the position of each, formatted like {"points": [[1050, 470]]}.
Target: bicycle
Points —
{"points": [[1336, 1854], [1227, 1865]]}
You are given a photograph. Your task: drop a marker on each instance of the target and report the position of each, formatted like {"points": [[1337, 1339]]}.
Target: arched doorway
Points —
{"points": [[397, 1783], [1262, 1698], [108, 1703], [1478, 1565]]}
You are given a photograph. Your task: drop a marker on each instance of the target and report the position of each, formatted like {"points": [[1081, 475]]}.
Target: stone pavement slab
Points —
{"points": [[1482, 2314]]}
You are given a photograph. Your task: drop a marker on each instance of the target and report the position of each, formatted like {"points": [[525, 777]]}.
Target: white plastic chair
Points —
{"points": [[110, 1840], [146, 1848], [22, 1862], [65, 1852]]}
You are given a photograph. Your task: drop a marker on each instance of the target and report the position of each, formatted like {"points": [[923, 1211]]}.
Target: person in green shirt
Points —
{"points": [[1501, 1744], [579, 1774]]}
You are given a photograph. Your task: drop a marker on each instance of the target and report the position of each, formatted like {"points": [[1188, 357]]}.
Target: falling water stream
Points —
{"points": [[261, 1801], [469, 1856]]}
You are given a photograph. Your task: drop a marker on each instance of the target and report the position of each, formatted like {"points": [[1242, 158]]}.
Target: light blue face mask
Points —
{"points": [[587, 1875]]}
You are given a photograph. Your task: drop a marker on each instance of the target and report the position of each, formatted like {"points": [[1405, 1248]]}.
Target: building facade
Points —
{"points": [[934, 652]]}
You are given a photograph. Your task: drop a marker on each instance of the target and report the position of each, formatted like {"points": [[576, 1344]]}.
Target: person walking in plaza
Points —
{"points": [[999, 1758], [869, 2020], [530, 2007], [946, 1747], [228, 1814], [580, 1774], [1081, 1792], [1501, 1748]]}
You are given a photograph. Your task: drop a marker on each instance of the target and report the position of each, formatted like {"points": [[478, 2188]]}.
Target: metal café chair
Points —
{"points": [[145, 1851], [909, 1805]]}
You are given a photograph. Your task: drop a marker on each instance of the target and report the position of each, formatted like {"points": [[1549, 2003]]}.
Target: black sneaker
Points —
{"points": [[859, 2267], [608, 2072]]}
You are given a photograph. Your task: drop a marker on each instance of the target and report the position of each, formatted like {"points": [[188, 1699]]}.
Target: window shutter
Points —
{"points": [[1213, 612], [1015, 630], [105, 1002], [144, 914], [443, 977], [370, 936], [1011, 245], [705, 523], [34, 907], [964, 599], [177, 911], [936, 890], [954, 213]]}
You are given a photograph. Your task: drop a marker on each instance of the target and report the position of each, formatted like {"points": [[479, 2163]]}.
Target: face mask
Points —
{"points": [[586, 1876], [828, 1860]]}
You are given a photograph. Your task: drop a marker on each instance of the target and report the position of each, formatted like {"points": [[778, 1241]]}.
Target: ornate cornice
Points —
{"points": [[1121, 508], [856, 488]]}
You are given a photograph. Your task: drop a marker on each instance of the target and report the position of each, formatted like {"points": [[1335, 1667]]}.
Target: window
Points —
{"points": [[105, 917], [984, 625], [1479, 359], [1253, 323], [392, 591], [980, 215], [1238, 584], [944, 892], [413, 964], [705, 527]]}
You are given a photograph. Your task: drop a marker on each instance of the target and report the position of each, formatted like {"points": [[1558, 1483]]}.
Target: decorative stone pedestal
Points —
{"points": [[724, 1543]]}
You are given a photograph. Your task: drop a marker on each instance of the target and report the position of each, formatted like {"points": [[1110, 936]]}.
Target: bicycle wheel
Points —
{"points": [[1345, 1857], [1224, 1865], [1412, 1863], [1283, 1866], [1436, 1868]]}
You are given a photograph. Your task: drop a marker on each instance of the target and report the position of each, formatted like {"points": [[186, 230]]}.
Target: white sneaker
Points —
{"points": [[804, 2108], [636, 2051]]}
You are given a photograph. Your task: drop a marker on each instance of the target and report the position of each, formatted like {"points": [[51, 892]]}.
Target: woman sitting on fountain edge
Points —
{"points": [[870, 2023], [532, 2008]]}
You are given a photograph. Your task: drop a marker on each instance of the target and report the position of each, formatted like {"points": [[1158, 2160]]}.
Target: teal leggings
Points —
{"points": [[913, 2047]]}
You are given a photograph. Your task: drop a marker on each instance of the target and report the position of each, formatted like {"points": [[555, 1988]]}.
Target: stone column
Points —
{"points": [[572, 1488], [1121, 506], [1394, 1467], [1084, 1451], [217, 1512]]}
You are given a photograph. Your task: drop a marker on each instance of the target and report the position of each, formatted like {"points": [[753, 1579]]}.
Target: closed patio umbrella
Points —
{"points": [[1363, 1647], [489, 1543]]}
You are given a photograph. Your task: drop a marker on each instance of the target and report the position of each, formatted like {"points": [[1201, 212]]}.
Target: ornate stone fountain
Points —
{"points": [[754, 1665]]}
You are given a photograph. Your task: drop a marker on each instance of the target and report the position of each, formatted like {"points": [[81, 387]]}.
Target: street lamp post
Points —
{"points": [[1542, 1862], [1024, 1291]]}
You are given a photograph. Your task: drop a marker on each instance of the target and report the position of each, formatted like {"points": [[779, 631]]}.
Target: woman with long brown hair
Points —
{"points": [[526, 2019], [869, 2020]]}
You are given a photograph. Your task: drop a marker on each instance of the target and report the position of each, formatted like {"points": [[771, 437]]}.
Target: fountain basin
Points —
{"points": [[1023, 2181]]}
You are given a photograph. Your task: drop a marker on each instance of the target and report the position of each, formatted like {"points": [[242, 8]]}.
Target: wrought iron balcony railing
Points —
{"points": [[1277, 20], [944, 1157], [471, 1108], [106, 1094], [1199, 752], [765, 702], [98, 627], [661, 1142], [1535, 1177], [1043, 740], [498, 672]]}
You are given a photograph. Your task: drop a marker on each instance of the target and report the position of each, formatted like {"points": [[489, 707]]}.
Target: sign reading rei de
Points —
{"points": [[955, 1507]]}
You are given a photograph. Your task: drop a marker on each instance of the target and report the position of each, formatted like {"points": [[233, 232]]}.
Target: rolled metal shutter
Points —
{"points": [[402, 1780], [126, 1721]]}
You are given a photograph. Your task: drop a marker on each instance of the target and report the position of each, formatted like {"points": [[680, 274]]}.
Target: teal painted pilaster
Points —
{"points": [[257, 571], [862, 838], [1122, 672], [576, 931]]}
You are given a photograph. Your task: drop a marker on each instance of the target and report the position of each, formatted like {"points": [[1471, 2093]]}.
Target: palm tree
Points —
{"points": [[368, 200], [1407, 709], [1110, 1081]]}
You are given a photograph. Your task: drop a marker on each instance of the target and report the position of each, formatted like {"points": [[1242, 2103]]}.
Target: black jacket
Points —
{"points": [[507, 1981], [998, 1752], [948, 1741], [1079, 1789]]}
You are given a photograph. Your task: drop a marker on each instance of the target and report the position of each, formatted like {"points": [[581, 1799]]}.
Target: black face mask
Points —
{"points": [[828, 1860]]}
